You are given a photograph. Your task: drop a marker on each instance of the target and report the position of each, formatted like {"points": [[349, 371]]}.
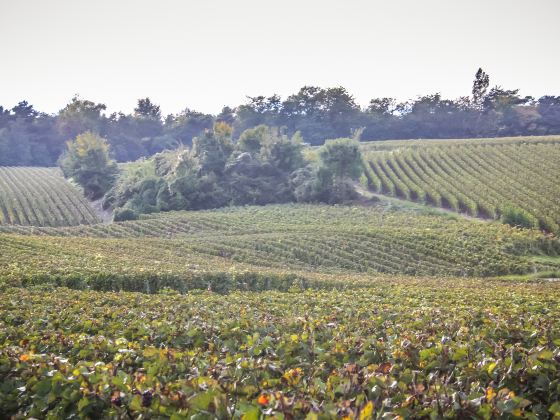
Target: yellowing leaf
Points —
{"points": [[367, 411]]}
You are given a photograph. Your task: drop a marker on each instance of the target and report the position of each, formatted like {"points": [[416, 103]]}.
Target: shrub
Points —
{"points": [[120, 215], [514, 216]]}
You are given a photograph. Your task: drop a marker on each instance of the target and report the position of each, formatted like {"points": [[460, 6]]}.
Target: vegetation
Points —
{"points": [[41, 197], [87, 161], [285, 310], [388, 350], [267, 247], [29, 137], [262, 167], [513, 179]]}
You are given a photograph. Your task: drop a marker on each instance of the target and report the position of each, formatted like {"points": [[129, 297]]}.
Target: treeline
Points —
{"points": [[29, 137]]}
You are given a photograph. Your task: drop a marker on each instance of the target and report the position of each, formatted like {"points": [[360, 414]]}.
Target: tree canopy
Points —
{"points": [[30, 137]]}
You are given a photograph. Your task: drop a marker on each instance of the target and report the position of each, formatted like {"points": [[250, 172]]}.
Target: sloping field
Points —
{"points": [[183, 249], [483, 178], [41, 197]]}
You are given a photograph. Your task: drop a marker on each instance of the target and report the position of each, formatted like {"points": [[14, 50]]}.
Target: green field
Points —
{"points": [[481, 178], [401, 347], [375, 309], [177, 249], [41, 197]]}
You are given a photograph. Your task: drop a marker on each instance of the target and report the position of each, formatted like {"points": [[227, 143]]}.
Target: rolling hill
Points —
{"points": [[486, 178], [192, 249], [292, 311]]}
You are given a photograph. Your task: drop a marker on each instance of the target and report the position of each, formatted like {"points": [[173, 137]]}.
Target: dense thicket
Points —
{"points": [[262, 167], [29, 137]]}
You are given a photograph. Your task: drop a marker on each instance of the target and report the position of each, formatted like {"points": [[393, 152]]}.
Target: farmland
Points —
{"points": [[41, 197], [312, 311], [177, 249], [491, 350], [482, 178]]}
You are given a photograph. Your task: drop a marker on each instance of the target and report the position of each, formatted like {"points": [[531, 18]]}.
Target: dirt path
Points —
{"points": [[105, 215]]}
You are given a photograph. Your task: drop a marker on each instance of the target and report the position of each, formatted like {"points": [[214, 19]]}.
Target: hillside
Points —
{"points": [[286, 311], [41, 197], [184, 249], [481, 177]]}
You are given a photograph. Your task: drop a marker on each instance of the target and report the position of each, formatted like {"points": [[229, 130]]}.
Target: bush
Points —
{"points": [[514, 216], [120, 215]]}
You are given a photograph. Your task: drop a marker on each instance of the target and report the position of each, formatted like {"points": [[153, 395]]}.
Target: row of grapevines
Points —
{"points": [[478, 179], [391, 350], [41, 197]]}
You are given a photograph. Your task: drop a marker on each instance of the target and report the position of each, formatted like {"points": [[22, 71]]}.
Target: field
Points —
{"points": [[41, 197], [390, 350], [482, 178], [390, 310], [184, 248]]}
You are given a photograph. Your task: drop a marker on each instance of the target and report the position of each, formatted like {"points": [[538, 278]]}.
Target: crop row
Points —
{"points": [[184, 250], [480, 180], [41, 197]]}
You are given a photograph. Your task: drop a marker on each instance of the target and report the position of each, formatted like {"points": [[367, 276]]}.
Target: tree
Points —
{"points": [[252, 139], [340, 163], [148, 110], [79, 116], [342, 157], [187, 125], [212, 149], [87, 161], [147, 118], [480, 86], [549, 110], [24, 110]]}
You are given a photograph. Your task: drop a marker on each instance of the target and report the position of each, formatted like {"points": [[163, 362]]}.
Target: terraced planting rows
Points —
{"points": [[452, 348], [41, 197], [274, 244], [480, 179]]}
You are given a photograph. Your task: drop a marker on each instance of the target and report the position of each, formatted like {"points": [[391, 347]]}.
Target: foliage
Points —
{"points": [[388, 350], [87, 161], [517, 217], [486, 178], [185, 250], [29, 137], [123, 214], [41, 197], [216, 172]]}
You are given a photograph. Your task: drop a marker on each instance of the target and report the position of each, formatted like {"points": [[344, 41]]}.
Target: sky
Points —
{"points": [[207, 54]]}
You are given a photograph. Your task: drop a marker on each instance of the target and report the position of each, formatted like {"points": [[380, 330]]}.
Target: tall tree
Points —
{"points": [[79, 116], [480, 86]]}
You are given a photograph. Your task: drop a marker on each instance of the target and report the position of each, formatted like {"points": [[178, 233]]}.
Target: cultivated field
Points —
{"points": [[402, 347], [184, 247], [41, 197], [389, 310], [481, 178]]}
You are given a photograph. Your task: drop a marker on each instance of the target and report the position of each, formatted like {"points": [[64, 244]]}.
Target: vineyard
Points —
{"points": [[492, 350], [385, 310], [41, 197], [482, 178], [274, 244]]}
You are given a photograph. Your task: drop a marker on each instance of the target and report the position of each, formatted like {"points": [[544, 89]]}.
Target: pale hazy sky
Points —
{"points": [[206, 54]]}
